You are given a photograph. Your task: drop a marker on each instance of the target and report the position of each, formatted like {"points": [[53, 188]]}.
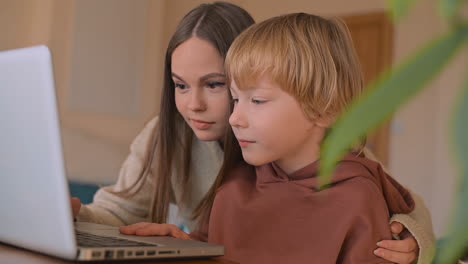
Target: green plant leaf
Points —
{"points": [[457, 241], [399, 8], [384, 97], [449, 8]]}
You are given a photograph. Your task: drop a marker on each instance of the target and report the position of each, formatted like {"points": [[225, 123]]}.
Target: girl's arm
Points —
{"points": [[419, 225], [116, 210]]}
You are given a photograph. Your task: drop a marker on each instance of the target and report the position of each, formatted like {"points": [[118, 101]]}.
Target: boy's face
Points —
{"points": [[271, 127]]}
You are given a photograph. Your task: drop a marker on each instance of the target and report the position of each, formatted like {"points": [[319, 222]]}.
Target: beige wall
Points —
{"points": [[86, 135], [420, 150], [103, 135], [24, 23], [117, 129]]}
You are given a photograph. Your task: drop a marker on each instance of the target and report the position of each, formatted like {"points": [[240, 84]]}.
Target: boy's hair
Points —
{"points": [[310, 57]]}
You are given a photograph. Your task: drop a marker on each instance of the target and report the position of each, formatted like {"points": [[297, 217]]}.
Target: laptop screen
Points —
{"points": [[34, 199]]}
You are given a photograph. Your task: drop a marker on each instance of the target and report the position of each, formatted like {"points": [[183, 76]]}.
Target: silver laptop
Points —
{"points": [[34, 197]]}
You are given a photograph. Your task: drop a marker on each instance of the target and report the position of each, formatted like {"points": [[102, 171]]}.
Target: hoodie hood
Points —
{"points": [[398, 199]]}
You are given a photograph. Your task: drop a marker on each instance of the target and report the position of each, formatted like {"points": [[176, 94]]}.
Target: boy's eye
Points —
{"points": [[215, 84], [180, 86], [256, 101]]}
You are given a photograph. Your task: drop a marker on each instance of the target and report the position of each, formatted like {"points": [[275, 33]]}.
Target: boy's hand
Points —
{"points": [[403, 251], [153, 229], [76, 206]]}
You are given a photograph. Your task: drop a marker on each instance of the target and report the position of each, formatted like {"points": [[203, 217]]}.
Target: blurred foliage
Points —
{"points": [[395, 88]]}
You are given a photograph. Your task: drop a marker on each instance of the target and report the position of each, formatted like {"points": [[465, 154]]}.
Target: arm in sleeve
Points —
{"points": [[113, 209], [418, 223]]}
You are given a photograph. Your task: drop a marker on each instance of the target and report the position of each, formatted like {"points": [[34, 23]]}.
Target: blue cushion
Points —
{"points": [[85, 192]]}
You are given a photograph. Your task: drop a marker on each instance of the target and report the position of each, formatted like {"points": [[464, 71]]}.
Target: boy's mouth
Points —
{"points": [[245, 143]]}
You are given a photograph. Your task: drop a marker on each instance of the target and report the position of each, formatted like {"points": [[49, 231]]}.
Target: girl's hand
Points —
{"points": [[403, 251], [153, 229], [76, 206]]}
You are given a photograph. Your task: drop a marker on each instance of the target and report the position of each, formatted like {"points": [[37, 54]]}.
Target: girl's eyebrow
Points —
{"points": [[178, 77], [203, 78], [211, 75]]}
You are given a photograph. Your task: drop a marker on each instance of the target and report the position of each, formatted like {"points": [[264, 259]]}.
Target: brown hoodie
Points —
{"points": [[262, 215]]}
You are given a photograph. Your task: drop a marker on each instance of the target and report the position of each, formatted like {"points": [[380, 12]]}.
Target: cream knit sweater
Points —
{"points": [[207, 158]]}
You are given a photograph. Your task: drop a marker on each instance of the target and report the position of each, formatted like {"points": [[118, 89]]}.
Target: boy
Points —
{"points": [[291, 76]]}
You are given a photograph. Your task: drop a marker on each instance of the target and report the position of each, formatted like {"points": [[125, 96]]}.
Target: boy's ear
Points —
{"points": [[325, 121]]}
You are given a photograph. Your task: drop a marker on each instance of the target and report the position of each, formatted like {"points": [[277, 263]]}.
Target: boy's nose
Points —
{"points": [[237, 118]]}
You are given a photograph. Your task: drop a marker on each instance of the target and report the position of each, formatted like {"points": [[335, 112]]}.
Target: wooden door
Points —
{"points": [[373, 39]]}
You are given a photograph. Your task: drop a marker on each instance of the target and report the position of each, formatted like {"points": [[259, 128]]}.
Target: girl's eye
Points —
{"points": [[213, 85], [235, 100], [180, 86], [256, 101]]}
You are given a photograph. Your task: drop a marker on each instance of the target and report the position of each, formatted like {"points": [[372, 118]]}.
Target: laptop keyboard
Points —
{"points": [[90, 240]]}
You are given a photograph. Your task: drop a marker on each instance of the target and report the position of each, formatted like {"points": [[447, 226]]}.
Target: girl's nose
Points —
{"points": [[196, 102]]}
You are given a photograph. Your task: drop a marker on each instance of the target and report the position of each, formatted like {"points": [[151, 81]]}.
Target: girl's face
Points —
{"points": [[201, 95]]}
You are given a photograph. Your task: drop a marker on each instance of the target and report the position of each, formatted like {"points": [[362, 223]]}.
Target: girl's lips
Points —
{"points": [[201, 125]]}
